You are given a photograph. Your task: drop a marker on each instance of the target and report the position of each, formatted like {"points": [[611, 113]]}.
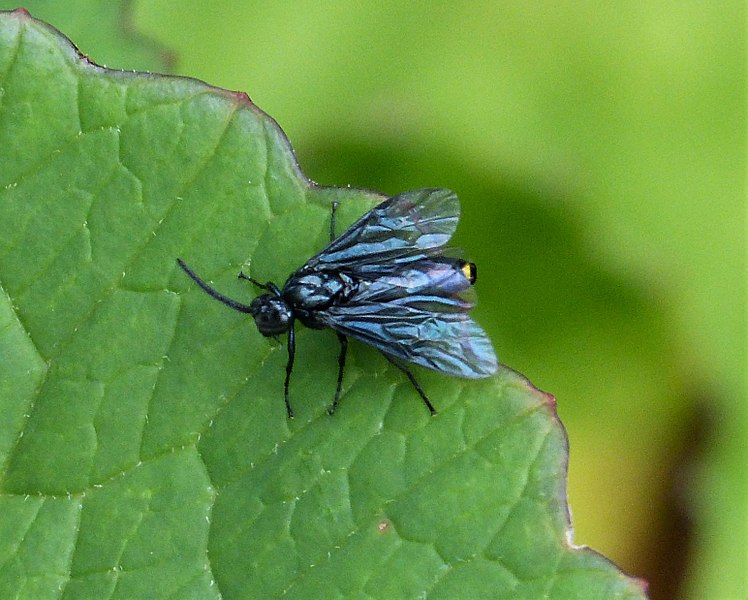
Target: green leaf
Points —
{"points": [[103, 27], [144, 445]]}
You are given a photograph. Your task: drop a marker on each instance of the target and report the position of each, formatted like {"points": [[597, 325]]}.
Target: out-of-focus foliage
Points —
{"points": [[599, 154]]}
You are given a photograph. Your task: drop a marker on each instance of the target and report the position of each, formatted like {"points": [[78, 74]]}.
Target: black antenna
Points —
{"points": [[245, 308], [269, 286]]}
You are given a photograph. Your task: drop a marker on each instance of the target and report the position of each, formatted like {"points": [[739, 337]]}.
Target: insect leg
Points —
{"points": [[413, 381], [341, 368], [332, 220], [289, 368]]}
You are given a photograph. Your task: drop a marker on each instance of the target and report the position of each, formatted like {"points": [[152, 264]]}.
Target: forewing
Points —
{"points": [[440, 276], [429, 331], [410, 224]]}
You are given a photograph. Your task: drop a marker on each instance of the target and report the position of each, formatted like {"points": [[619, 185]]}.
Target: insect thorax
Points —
{"points": [[309, 293]]}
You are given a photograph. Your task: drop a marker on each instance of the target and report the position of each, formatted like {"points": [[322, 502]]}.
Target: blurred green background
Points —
{"points": [[599, 153]]}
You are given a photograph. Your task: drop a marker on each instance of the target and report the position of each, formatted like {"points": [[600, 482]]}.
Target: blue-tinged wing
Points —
{"points": [[405, 226], [429, 331], [410, 300], [438, 276]]}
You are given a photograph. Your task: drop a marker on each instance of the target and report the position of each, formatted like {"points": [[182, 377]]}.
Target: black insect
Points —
{"points": [[387, 282]]}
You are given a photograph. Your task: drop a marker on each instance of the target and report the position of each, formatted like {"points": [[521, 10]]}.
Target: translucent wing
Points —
{"points": [[410, 302], [405, 226], [426, 330], [442, 277]]}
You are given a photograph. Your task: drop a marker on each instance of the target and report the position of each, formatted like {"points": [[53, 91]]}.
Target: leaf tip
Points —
{"points": [[643, 585], [545, 397], [242, 97], [549, 399], [238, 97]]}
